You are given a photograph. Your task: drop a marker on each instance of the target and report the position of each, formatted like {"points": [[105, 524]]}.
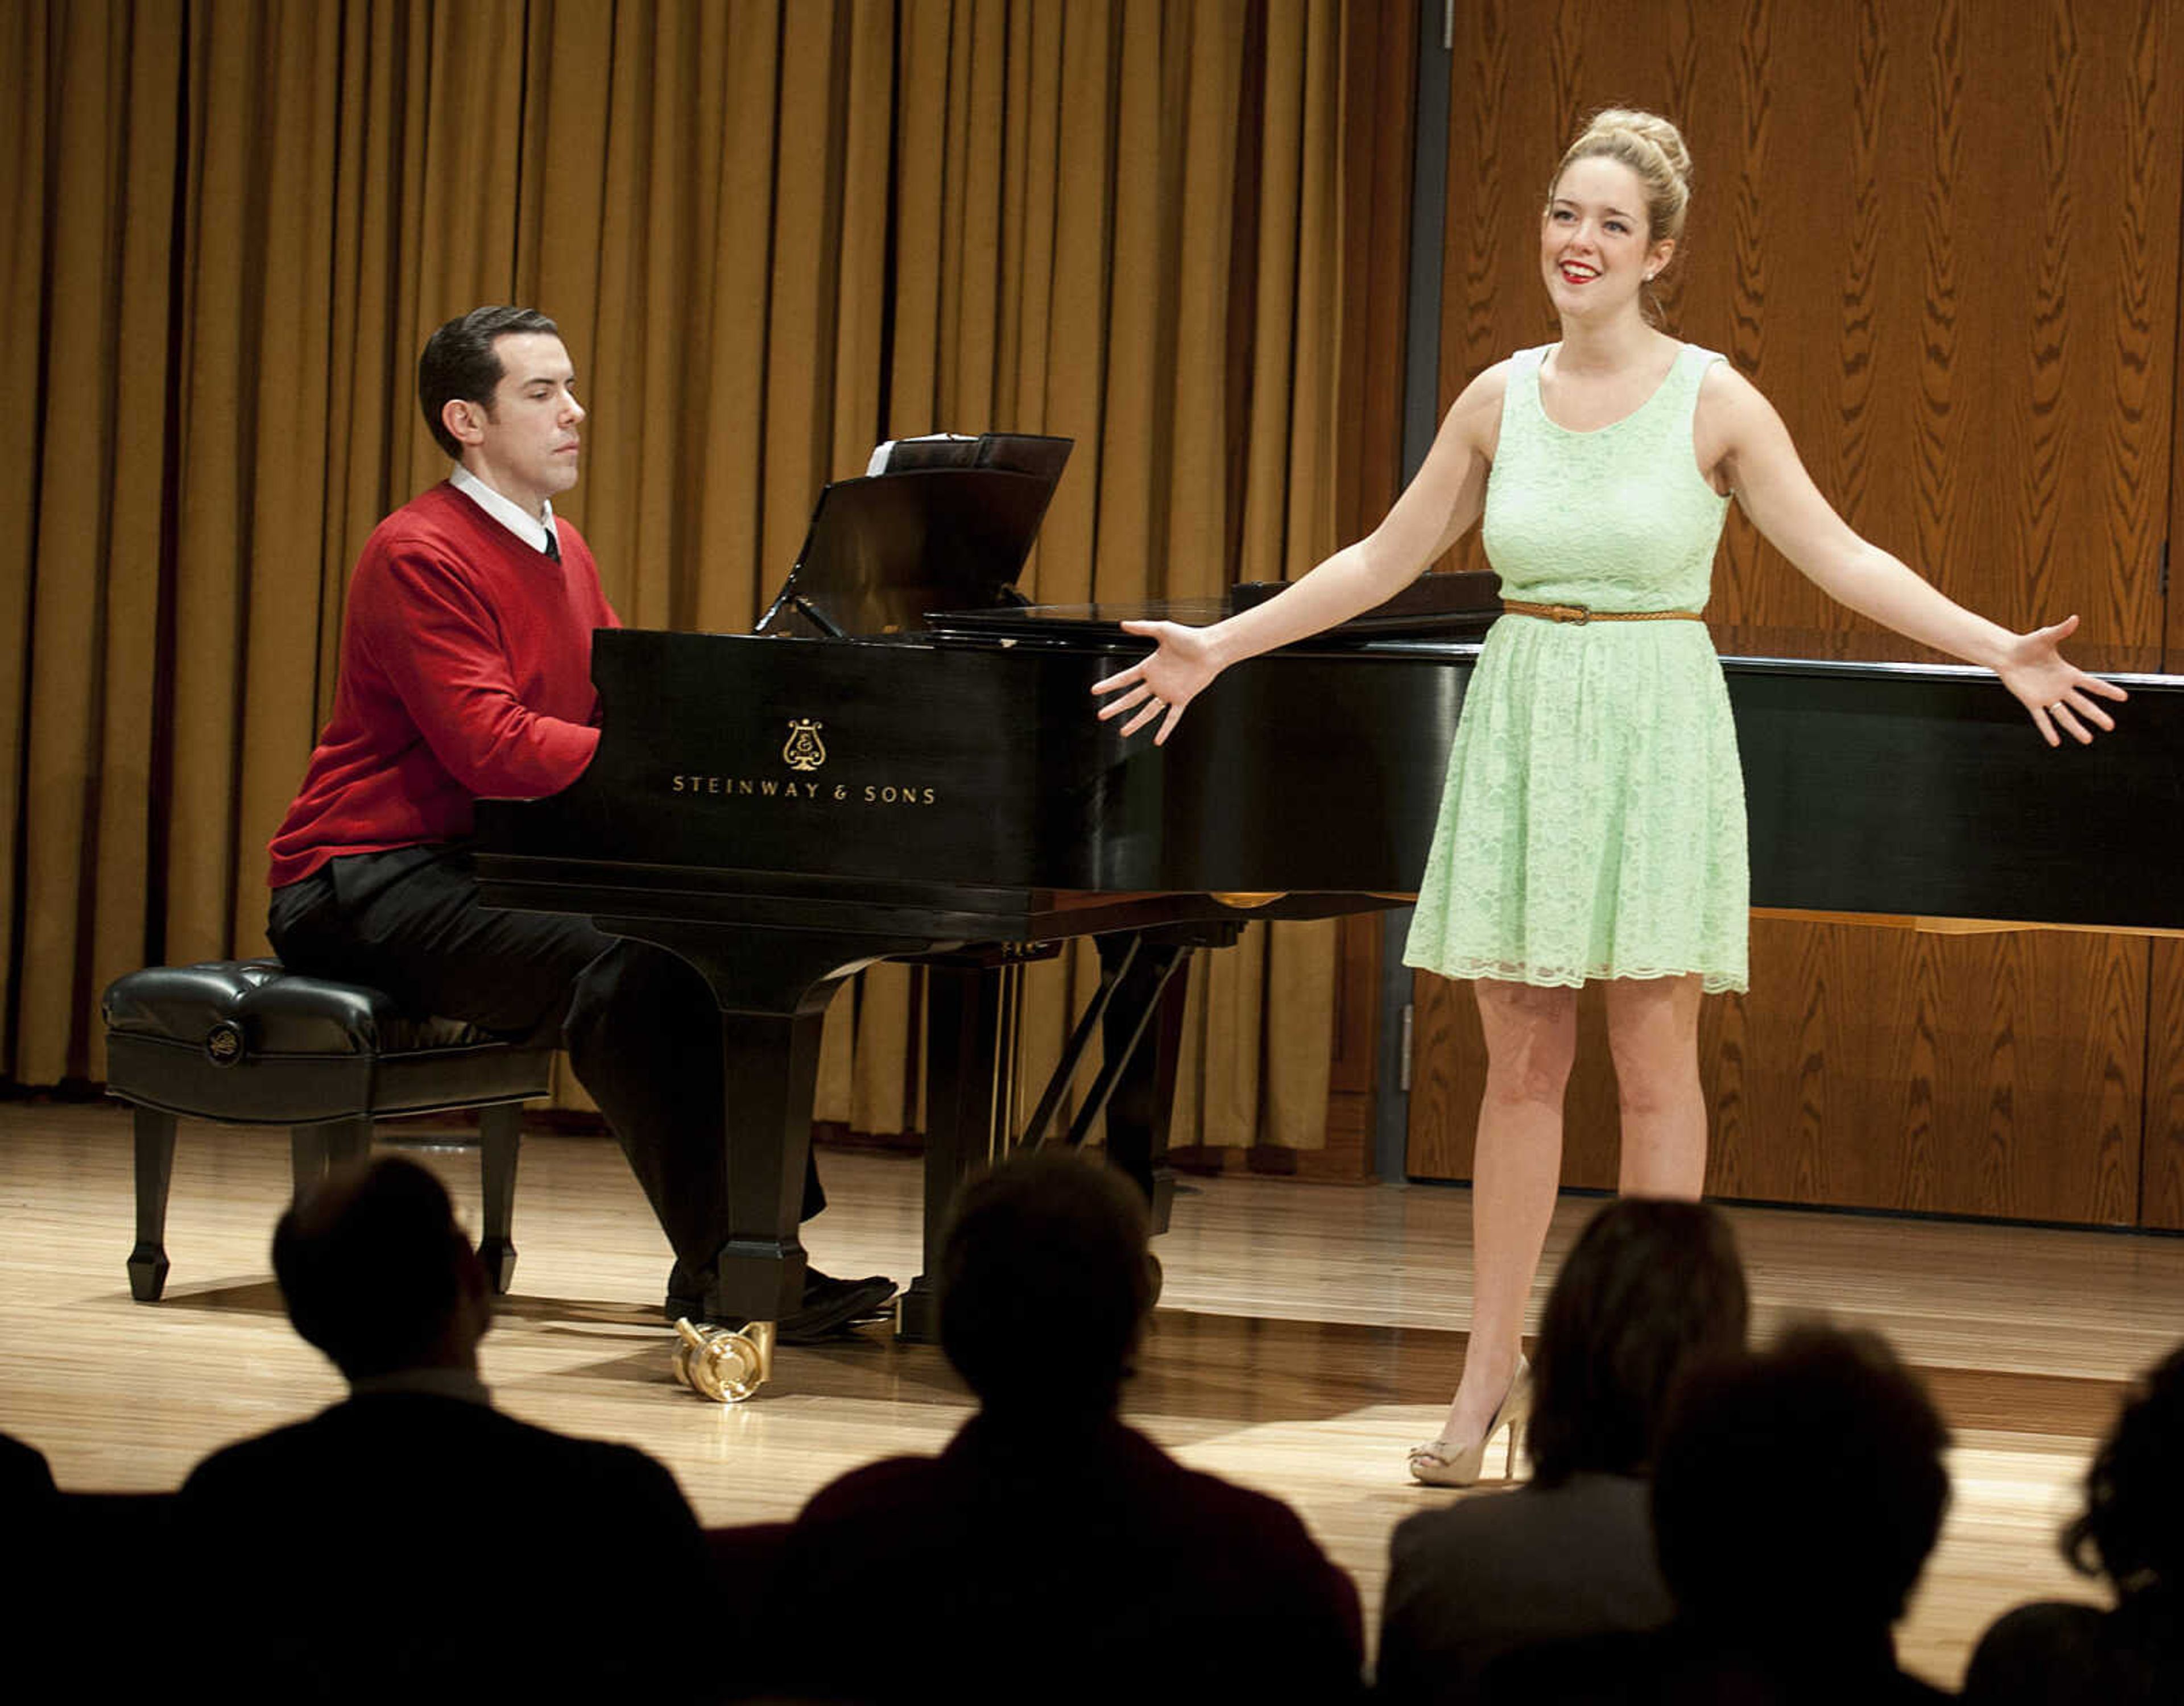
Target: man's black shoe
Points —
{"points": [[830, 1307], [865, 1301]]}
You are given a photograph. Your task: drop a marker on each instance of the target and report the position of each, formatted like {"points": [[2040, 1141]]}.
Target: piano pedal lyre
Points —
{"points": [[722, 1364]]}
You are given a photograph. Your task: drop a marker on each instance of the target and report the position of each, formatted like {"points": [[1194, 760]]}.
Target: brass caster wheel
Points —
{"points": [[725, 1366]]}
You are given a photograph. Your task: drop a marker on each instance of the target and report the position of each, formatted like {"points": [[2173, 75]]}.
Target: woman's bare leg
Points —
{"points": [[1531, 1039], [1653, 1032]]}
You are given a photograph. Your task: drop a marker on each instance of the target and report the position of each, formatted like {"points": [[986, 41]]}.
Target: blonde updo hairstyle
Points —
{"points": [[1652, 148]]}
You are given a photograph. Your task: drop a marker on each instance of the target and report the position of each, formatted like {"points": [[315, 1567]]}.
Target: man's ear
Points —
{"points": [[464, 420]]}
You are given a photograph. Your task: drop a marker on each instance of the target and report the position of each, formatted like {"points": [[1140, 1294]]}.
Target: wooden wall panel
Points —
{"points": [[2172, 553], [2161, 1171], [1943, 237], [2161, 1189]]}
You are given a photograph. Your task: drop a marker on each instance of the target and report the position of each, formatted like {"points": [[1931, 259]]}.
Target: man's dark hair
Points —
{"points": [[2132, 1530], [459, 361], [1798, 1491], [371, 1265], [1044, 1286], [1650, 1288]]}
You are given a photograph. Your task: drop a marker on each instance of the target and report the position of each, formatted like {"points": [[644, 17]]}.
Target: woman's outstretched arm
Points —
{"points": [[1432, 514], [1771, 482]]}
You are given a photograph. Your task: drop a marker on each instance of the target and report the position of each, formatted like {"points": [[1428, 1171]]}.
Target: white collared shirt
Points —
{"points": [[527, 527]]}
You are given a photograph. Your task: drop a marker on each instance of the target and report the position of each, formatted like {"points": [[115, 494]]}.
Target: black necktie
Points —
{"points": [[553, 542]]}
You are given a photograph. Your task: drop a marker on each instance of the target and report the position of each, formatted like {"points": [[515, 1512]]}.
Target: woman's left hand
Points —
{"points": [[2058, 693]]}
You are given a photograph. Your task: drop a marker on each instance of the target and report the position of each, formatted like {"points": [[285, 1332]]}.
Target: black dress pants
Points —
{"points": [[641, 1027]]}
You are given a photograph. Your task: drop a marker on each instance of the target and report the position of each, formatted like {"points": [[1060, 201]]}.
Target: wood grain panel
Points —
{"points": [[2172, 651], [2172, 547], [2161, 1172], [1944, 239], [1859, 1074], [2161, 1176], [1353, 1071]]}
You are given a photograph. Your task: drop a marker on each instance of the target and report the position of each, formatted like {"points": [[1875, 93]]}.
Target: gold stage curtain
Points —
{"points": [[773, 231]]}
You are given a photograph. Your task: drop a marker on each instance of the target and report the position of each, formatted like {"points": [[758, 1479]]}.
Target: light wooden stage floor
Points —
{"points": [[1306, 1335]]}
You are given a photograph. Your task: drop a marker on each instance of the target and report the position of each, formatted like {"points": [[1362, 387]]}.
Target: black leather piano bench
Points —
{"points": [[247, 1042]]}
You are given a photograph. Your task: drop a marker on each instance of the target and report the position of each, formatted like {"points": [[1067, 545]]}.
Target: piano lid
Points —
{"points": [[947, 525], [903, 769]]}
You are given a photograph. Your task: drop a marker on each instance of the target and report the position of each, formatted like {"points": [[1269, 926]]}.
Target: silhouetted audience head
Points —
{"points": [[25, 1479], [377, 1274], [1801, 1489], [1045, 1282], [1650, 1289], [2132, 1530]]}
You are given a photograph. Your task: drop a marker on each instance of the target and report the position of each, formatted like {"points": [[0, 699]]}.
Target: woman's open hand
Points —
{"points": [[2058, 693], [1165, 680]]}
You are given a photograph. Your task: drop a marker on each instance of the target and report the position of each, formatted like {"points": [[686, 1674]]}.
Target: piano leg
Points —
{"points": [[1142, 1031], [969, 1058], [1142, 1036], [773, 993]]}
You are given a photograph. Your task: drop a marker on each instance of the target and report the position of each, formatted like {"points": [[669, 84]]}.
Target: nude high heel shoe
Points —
{"points": [[1438, 1464]]}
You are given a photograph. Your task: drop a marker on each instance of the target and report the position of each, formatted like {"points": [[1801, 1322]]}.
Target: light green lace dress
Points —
{"points": [[1593, 823]]}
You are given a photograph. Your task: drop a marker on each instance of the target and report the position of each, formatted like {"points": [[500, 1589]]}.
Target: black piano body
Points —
{"points": [[781, 812]]}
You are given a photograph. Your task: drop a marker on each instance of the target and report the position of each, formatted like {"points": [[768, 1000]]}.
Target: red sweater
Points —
{"points": [[466, 674]]}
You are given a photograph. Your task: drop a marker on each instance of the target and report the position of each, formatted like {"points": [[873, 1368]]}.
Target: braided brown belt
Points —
{"points": [[1580, 616]]}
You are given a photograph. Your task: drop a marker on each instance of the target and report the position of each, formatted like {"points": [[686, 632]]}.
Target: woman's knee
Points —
{"points": [[1656, 1051], [1531, 1041], [1646, 1093]]}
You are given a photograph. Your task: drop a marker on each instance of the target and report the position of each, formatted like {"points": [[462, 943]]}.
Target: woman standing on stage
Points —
{"points": [[1593, 825]]}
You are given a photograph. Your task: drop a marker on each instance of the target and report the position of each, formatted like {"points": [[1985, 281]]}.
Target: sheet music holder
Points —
{"points": [[947, 526]]}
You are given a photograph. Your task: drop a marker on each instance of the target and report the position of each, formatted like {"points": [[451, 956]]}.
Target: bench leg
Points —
{"points": [[315, 1150], [349, 1141], [500, 1134], [307, 1152], [155, 1169]]}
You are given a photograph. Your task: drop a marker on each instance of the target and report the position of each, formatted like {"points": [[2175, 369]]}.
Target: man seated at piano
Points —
{"points": [[465, 673]]}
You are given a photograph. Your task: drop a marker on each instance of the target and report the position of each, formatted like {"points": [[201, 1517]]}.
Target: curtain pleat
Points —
{"points": [[729, 299], [88, 334], [128, 570], [215, 465], [282, 381], [76, 474], [772, 231], [26, 78]]}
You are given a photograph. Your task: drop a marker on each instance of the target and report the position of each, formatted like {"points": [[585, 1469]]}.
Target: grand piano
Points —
{"points": [[782, 809]]}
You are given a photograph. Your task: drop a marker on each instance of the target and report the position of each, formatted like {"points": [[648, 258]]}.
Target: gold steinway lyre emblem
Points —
{"points": [[804, 750]]}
